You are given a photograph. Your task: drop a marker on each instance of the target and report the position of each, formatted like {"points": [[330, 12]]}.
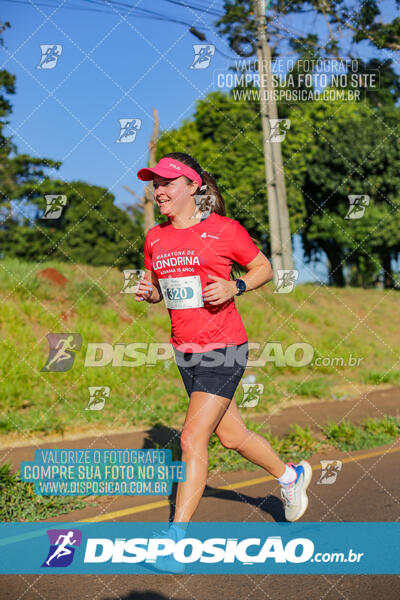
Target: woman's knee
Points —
{"points": [[193, 441], [233, 440]]}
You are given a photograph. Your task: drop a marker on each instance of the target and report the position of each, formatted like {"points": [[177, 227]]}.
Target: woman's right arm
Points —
{"points": [[149, 288]]}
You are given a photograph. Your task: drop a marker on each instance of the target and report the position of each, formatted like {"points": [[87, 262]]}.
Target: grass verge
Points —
{"points": [[370, 434], [18, 501], [146, 388]]}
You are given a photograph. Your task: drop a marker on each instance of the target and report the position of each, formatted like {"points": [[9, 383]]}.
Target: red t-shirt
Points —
{"points": [[208, 247]]}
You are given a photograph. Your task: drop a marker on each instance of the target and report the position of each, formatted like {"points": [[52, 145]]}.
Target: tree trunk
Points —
{"points": [[335, 262], [387, 270]]}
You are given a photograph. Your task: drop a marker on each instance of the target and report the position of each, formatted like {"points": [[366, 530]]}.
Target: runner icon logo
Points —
{"points": [[251, 394], [278, 129], [133, 277], [50, 55], [98, 397], [202, 55], [330, 470], [128, 130], [62, 547], [54, 206], [358, 204], [205, 204], [62, 351], [286, 280]]}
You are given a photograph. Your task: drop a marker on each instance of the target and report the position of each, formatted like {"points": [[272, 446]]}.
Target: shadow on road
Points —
{"points": [[164, 437], [268, 504]]}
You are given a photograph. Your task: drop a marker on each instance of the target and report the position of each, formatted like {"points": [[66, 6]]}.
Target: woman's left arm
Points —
{"points": [[259, 272]]}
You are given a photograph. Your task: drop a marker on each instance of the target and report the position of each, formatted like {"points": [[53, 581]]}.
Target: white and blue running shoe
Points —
{"points": [[168, 563], [294, 494]]}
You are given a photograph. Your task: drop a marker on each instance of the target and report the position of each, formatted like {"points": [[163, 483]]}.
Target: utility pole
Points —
{"points": [[148, 202], [281, 245]]}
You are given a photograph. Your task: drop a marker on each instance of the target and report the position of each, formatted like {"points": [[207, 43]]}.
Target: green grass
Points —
{"points": [[298, 444], [377, 377], [314, 388], [33, 401], [18, 502], [370, 433], [87, 290]]}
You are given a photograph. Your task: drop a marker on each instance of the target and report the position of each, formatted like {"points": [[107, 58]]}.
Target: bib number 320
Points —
{"points": [[182, 292]]}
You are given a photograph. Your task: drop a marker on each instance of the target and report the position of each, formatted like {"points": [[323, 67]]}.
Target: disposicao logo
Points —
{"points": [[211, 550], [61, 551]]}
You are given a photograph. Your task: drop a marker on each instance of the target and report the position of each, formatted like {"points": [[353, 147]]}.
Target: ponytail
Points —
{"points": [[217, 204]]}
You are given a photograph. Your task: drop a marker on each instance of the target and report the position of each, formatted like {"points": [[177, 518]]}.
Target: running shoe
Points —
{"points": [[168, 563], [294, 495]]}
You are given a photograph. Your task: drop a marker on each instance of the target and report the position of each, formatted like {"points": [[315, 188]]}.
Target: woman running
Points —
{"points": [[188, 261]]}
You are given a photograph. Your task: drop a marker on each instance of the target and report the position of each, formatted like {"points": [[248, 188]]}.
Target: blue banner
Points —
{"points": [[209, 548], [103, 472]]}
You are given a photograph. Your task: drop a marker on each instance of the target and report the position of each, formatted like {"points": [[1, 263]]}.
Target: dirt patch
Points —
{"points": [[53, 276]]}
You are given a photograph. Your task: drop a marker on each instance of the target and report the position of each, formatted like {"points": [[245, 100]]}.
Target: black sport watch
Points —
{"points": [[241, 286]]}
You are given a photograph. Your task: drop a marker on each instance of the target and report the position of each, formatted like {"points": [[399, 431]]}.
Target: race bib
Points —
{"points": [[182, 292]]}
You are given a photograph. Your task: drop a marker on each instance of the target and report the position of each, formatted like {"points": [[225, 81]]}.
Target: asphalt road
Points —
{"points": [[367, 489]]}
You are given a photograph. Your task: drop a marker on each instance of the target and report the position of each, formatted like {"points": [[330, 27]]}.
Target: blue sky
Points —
{"points": [[111, 67]]}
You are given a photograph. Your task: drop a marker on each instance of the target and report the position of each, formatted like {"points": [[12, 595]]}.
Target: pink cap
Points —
{"points": [[171, 169]]}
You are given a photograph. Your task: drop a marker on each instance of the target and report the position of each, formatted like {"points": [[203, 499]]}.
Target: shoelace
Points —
{"points": [[287, 493]]}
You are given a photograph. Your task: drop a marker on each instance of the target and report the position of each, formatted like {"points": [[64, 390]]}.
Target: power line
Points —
{"points": [[137, 10], [33, 4], [196, 7], [179, 3], [140, 12], [145, 14]]}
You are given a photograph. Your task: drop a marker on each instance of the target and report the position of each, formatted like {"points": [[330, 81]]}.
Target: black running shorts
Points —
{"points": [[215, 372]]}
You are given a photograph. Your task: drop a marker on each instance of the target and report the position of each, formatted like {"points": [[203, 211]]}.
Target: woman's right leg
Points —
{"points": [[204, 413], [234, 434]]}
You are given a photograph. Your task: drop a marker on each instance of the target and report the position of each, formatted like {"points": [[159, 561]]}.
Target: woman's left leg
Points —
{"points": [[204, 413], [234, 434]]}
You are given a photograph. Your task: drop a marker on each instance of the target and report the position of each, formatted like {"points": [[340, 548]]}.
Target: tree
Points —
{"points": [[91, 229], [335, 24], [360, 21], [224, 136], [353, 150], [17, 171], [331, 151]]}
